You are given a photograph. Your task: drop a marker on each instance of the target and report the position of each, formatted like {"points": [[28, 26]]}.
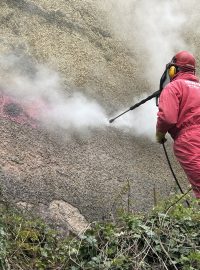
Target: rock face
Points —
{"points": [[64, 216], [97, 174], [68, 215]]}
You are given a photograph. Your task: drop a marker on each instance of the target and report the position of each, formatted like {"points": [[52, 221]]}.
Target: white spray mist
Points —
{"points": [[141, 121], [151, 29], [70, 111]]}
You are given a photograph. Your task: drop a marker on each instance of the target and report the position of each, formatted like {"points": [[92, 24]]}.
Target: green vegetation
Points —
{"points": [[167, 238]]}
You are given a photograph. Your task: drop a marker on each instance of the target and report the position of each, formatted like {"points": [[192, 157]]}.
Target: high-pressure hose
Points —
{"points": [[172, 171]]}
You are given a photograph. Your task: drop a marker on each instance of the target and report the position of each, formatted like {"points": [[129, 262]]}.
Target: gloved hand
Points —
{"points": [[160, 137]]}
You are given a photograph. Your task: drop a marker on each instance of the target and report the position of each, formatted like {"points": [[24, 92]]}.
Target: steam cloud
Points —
{"points": [[151, 29], [36, 83], [29, 82], [141, 121]]}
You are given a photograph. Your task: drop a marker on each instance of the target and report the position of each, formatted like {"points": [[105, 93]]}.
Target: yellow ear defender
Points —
{"points": [[172, 71]]}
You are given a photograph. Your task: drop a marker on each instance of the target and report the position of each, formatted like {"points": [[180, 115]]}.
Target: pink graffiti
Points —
{"points": [[19, 111]]}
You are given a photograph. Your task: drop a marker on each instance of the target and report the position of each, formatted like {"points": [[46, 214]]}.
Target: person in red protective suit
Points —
{"points": [[179, 115]]}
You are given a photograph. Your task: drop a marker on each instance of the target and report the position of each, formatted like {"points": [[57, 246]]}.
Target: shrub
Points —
{"points": [[27, 243], [166, 238]]}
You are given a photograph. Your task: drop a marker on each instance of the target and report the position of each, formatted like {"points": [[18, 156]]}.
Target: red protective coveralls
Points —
{"points": [[179, 114]]}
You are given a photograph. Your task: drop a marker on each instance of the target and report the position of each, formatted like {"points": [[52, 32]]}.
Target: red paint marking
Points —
{"points": [[21, 112]]}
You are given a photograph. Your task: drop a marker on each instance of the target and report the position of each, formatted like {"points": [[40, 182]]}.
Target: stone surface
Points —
{"points": [[67, 214], [61, 215], [91, 173]]}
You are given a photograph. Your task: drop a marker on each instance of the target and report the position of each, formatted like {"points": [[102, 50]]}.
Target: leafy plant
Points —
{"points": [[167, 238]]}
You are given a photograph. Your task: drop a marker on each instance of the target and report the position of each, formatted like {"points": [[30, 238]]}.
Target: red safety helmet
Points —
{"points": [[182, 61]]}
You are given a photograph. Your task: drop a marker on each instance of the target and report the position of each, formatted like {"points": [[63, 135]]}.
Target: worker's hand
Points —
{"points": [[160, 137]]}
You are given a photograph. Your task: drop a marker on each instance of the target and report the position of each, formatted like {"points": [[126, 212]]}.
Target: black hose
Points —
{"points": [[171, 169]]}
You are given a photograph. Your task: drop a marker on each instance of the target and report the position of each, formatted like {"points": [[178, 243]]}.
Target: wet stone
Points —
{"points": [[12, 109]]}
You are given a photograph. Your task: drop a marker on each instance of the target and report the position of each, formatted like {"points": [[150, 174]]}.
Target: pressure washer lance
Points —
{"points": [[163, 80], [154, 95]]}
